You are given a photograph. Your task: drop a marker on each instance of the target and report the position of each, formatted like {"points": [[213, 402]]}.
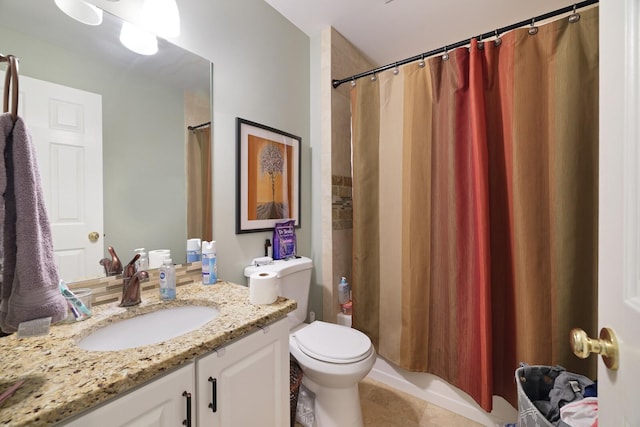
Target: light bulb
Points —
{"points": [[162, 17], [81, 11], [138, 40]]}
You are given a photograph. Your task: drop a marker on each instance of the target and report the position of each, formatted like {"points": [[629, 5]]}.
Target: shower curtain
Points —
{"points": [[199, 204], [475, 207]]}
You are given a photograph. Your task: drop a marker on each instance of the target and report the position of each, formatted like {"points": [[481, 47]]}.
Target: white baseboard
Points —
{"points": [[434, 390]]}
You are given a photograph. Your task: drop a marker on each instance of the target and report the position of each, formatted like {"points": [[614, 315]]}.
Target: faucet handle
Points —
{"points": [[116, 265], [130, 269], [113, 266], [131, 289]]}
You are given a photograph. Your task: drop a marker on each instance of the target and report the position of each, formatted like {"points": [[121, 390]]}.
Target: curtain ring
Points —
{"points": [[374, 77], [445, 55], [574, 17], [533, 30], [353, 82], [498, 40], [480, 43], [421, 64], [396, 71]]}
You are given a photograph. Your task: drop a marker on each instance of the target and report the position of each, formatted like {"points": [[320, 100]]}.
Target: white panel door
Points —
{"points": [[619, 212], [66, 127]]}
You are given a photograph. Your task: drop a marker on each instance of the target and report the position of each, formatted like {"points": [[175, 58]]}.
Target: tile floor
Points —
{"points": [[384, 406]]}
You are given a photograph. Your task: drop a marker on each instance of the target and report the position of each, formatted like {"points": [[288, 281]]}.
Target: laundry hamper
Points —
{"points": [[295, 377], [534, 383]]}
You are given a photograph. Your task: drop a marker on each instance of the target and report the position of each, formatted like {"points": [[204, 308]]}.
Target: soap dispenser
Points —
{"points": [[167, 280], [142, 263]]}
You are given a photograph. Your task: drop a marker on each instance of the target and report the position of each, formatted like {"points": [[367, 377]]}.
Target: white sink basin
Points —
{"points": [[149, 328]]}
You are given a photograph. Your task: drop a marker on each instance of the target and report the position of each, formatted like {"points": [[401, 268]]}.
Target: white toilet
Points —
{"points": [[333, 358]]}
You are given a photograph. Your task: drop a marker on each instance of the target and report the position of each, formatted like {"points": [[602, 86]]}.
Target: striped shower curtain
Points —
{"points": [[475, 207], [199, 205]]}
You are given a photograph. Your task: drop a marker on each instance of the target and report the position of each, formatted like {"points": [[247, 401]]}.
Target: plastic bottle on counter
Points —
{"points": [[343, 291], [209, 267], [167, 280]]}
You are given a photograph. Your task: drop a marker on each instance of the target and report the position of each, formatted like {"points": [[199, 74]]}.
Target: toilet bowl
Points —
{"points": [[333, 358]]}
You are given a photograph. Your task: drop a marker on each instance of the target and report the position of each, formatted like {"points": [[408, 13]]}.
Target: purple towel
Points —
{"points": [[29, 288]]}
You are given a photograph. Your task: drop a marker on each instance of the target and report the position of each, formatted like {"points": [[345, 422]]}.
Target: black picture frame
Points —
{"points": [[268, 177]]}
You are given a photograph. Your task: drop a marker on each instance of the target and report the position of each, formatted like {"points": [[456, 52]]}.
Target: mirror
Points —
{"points": [[147, 104]]}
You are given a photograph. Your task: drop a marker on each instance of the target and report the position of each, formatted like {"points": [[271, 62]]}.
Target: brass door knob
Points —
{"points": [[606, 346], [94, 236]]}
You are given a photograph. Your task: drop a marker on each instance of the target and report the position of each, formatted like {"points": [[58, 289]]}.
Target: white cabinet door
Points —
{"points": [[246, 383], [160, 403]]}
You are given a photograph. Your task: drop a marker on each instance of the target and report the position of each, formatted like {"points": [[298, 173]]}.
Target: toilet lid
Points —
{"points": [[333, 343]]}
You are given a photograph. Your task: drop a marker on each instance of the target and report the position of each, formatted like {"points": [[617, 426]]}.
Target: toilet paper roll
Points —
{"points": [[344, 319], [263, 287], [156, 257]]}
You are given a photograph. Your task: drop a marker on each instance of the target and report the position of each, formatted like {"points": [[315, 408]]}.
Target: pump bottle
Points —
{"points": [[167, 280]]}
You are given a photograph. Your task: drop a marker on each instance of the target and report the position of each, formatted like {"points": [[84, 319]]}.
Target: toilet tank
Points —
{"points": [[294, 280]]}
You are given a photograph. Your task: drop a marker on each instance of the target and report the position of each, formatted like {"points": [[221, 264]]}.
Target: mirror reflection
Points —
{"points": [[145, 105]]}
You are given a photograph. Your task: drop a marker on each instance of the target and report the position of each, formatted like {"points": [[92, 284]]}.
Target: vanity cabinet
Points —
{"points": [[163, 402], [246, 383]]}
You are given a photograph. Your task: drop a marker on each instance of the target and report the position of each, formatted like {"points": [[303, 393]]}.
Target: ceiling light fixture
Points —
{"points": [[81, 11], [138, 40], [161, 17]]}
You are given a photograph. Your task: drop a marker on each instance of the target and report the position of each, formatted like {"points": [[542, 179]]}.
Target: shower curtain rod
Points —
{"points": [[335, 83], [198, 126]]}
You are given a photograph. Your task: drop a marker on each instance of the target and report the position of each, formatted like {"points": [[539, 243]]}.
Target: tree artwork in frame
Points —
{"points": [[268, 180]]}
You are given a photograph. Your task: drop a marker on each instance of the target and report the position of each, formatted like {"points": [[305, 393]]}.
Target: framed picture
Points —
{"points": [[268, 181]]}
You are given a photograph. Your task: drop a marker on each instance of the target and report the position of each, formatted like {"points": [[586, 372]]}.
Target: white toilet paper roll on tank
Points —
{"points": [[263, 287]]}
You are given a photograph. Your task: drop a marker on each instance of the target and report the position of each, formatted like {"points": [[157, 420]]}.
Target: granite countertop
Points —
{"points": [[62, 379]]}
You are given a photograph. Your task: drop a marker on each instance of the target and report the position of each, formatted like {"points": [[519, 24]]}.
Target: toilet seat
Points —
{"points": [[333, 343]]}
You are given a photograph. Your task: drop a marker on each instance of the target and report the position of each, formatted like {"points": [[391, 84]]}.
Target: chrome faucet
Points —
{"points": [[131, 280], [113, 266]]}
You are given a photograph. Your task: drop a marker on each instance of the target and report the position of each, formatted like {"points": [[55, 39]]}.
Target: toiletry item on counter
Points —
{"points": [[284, 240], [262, 261], [347, 308], [167, 280], [209, 267], [268, 249], [343, 291], [193, 250], [79, 302], [142, 263], [344, 297]]}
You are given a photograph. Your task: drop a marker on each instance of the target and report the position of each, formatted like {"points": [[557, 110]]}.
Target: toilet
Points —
{"points": [[333, 358]]}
